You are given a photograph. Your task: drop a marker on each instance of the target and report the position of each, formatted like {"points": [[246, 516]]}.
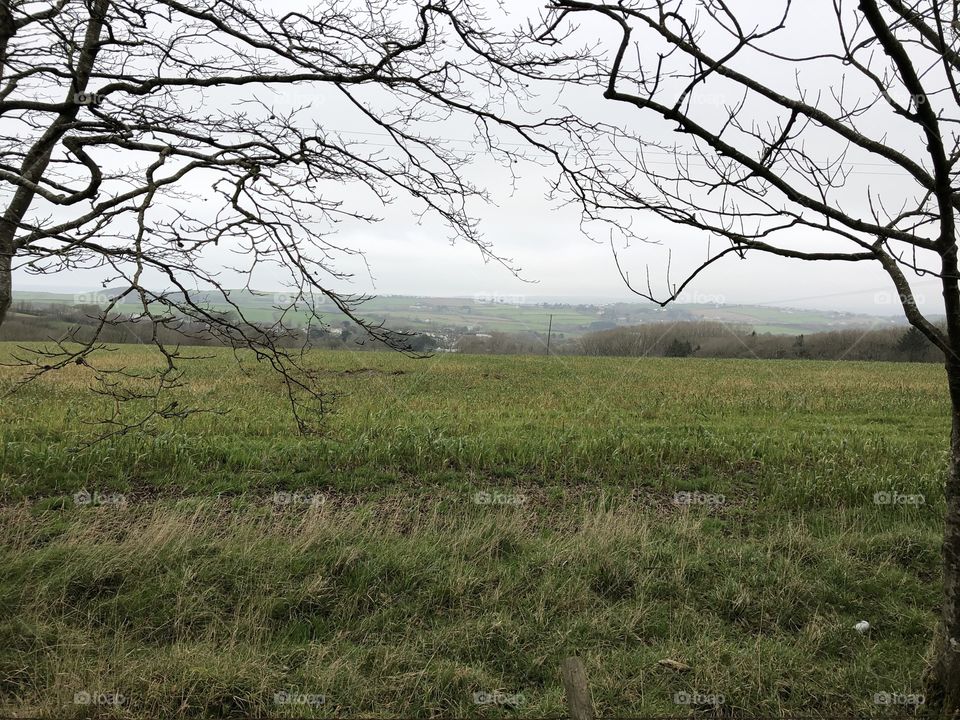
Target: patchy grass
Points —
{"points": [[363, 568]]}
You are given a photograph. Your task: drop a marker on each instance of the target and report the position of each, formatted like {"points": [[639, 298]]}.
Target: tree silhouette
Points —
{"points": [[153, 140], [875, 86]]}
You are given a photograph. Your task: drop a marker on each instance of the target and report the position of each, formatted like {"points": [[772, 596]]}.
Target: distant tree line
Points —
{"points": [[719, 340], [55, 322], [715, 340], [664, 339]]}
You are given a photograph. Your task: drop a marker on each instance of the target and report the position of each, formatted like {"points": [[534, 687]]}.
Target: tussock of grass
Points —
{"points": [[386, 607], [399, 595]]}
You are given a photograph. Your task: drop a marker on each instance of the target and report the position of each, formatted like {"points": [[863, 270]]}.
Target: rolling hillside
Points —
{"points": [[501, 315]]}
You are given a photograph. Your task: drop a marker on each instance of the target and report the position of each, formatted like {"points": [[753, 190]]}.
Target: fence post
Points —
{"points": [[578, 690]]}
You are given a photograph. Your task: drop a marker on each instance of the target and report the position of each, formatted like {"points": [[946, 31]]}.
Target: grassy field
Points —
{"points": [[512, 314], [466, 523]]}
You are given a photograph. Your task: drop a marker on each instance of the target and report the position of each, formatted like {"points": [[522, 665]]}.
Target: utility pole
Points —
{"points": [[549, 333]]}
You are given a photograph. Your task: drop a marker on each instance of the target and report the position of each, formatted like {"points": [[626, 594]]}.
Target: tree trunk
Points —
{"points": [[37, 158], [6, 284], [943, 686]]}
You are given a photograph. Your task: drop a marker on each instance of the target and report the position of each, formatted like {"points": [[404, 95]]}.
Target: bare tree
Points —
{"points": [[153, 140], [769, 146]]}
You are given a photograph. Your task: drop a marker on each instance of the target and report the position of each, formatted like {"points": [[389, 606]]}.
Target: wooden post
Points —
{"points": [[549, 334], [577, 689]]}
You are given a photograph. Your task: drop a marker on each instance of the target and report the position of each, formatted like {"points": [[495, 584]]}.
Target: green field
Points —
{"points": [[359, 567], [508, 313]]}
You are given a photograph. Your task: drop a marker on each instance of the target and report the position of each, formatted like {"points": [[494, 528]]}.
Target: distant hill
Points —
{"points": [[508, 314]]}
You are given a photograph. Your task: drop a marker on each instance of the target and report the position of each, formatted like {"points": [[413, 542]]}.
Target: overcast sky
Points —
{"points": [[544, 240]]}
